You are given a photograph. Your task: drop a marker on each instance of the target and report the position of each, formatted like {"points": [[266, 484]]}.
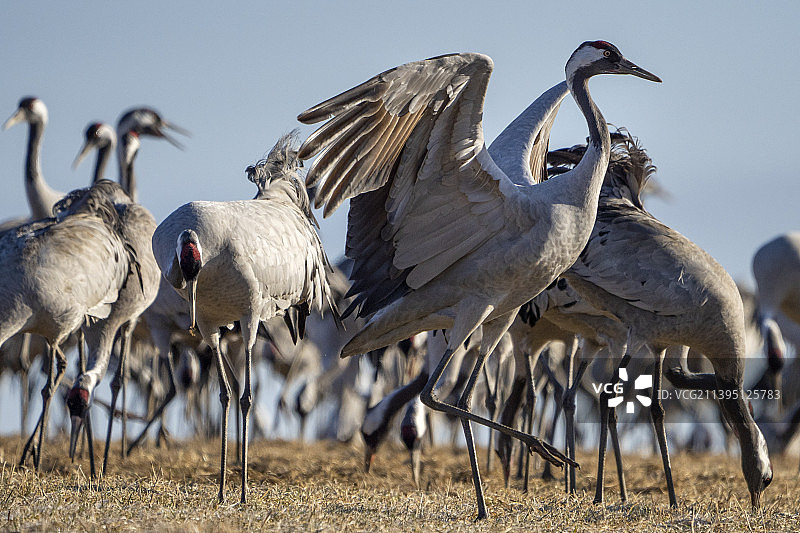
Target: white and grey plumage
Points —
{"points": [[441, 237], [41, 197], [668, 291], [136, 227], [56, 271], [246, 260]]}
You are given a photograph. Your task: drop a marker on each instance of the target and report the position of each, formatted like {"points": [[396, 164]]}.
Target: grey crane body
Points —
{"points": [[136, 227], [441, 237], [246, 260], [59, 270], [668, 291]]}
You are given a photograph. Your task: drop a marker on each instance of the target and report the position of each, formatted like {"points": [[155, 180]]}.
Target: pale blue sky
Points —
{"points": [[720, 128]]}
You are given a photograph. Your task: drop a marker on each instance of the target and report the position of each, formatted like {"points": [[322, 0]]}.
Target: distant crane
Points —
{"points": [[41, 197], [440, 236], [141, 121], [248, 261], [776, 268], [101, 137], [412, 430]]}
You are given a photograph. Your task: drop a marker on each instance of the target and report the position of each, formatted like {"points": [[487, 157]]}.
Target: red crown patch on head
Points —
{"points": [[601, 44], [190, 253]]}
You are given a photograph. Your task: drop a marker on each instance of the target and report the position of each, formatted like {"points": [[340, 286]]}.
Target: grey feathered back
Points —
{"points": [[107, 200]]}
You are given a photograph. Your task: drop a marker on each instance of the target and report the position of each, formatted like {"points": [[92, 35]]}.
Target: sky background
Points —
{"points": [[720, 128]]}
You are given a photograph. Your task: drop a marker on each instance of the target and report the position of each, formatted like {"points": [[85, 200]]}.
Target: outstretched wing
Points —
{"points": [[407, 146]]}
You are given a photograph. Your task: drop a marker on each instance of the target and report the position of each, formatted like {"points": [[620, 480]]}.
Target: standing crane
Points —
{"points": [[776, 268], [136, 226], [102, 137], [440, 236], [669, 292], [56, 272], [249, 261]]}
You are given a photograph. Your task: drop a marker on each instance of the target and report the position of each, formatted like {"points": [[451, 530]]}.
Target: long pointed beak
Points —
{"points": [[75, 431], [169, 138], [416, 464], [505, 462], [85, 149], [369, 456], [628, 67], [192, 306], [17, 117], [755, 500]]}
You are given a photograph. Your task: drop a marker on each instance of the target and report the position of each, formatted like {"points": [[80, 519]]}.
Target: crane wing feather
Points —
{"points": [[406, 147]]}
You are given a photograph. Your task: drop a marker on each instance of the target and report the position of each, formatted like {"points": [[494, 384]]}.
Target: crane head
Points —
{"points": [[147, 121], [78, 404], [190, 259], [31, 110], [601, 57], [96, 136]]}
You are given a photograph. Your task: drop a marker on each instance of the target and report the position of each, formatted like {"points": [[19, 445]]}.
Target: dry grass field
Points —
{"points": [[321, 487]]}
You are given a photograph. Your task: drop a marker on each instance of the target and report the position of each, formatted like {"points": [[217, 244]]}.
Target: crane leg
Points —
{"points": [[87, 426], [492, 331], [247, 399], [464, 403], [53, 381], [569, 420], [612, 432], [556, 391], [224, 400], [115, 387], [125, 339], [160, 410], [605, 418], [24, 359], [491, 407], [507, 417], [530, 407], [657, 414]]}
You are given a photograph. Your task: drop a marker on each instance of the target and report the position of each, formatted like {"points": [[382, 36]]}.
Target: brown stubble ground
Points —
{"points": [[321, 487]]}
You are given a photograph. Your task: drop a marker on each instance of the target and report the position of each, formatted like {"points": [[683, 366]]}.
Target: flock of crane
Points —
{"points": [[458, 254]]}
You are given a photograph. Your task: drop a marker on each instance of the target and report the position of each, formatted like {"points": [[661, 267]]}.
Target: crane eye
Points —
{"points": [[606, 53]]}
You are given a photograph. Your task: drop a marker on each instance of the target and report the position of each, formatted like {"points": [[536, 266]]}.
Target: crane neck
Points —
{"points": [[127, 150], [40, 196], [394, 402], [513, 148], [599, 138], [103, 154], [587, 176]]}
